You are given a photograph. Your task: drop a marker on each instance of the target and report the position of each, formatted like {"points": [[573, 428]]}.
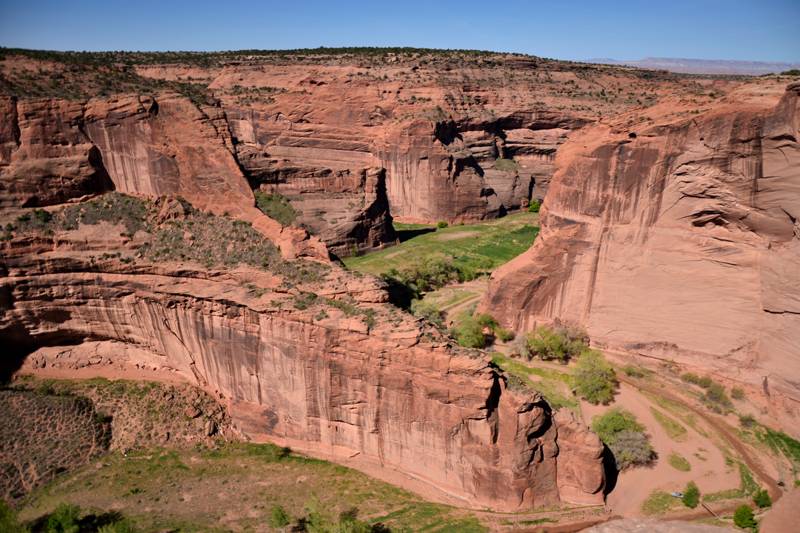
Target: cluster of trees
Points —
{"points": [[478, 330], [594, 379], [625, 437]]}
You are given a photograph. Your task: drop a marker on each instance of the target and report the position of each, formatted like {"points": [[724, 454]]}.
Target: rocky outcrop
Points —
{"points": [[53, 151], [677, 241], [327, 173], [354, 380], [45, 155]]}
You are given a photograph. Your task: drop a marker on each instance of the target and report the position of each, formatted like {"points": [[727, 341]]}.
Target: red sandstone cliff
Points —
{"points": [[54, 151], [676, 239], [387, 394]]}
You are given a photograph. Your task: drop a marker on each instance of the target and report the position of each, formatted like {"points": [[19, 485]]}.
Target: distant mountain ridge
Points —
{"points": [[703, 66]]}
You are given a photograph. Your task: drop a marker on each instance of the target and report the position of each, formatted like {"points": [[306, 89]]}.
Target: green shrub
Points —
{"points": [[614, 421], [558, 343], [634, 371], [468, 332], [716, 398], [534, 206], [625, 437], [504, 335], [65, 519], [276, 206], [428, 311], [704, 382], [743, 517], [8, 519], [441, 224], [506, 165], [595, 380], [737, 393], [304, 300], [691, 495], [791, 72], [762, 499], [278, 517], [747, 421]]}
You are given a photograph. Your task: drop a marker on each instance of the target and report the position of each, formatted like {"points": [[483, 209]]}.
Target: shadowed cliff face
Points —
{"points": [[387, 394], [680, 243]]}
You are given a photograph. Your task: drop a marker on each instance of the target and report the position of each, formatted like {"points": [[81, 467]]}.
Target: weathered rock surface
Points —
{"points": [[384, 391], [53, 151], [679, 241], [45, 155]]}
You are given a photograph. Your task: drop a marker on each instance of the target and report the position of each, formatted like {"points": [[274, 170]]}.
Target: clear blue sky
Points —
{"points": [[767, 30]]}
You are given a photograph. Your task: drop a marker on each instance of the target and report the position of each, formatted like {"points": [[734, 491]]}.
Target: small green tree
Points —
{"points": [[278, 517], [691, 495], [762, 499], [442, 224], [65, 519], [534, 206], [625, 437], [595, 380], [743, 517], [468, 332]]}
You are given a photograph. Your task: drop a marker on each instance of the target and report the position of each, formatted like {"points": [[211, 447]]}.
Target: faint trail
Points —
{"points": [[720, 427]]}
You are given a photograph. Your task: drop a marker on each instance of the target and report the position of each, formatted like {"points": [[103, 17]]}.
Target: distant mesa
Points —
{"points": [[702, 66]]}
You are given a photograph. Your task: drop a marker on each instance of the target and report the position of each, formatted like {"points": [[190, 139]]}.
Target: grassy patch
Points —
{"points": [[659, 502], [506, 165], [555, 386], [673, 428], [473, 247], [679, 462], [276, 206], [191, 491]]}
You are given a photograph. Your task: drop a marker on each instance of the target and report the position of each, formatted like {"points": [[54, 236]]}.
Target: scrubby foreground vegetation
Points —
{"points": [[231, 486]]}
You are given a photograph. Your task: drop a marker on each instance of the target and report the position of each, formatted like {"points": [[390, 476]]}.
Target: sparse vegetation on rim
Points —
{"points": [[210, 240]]}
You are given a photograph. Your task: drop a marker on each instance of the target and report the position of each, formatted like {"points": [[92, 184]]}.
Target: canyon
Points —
{"points": [[133, 245]]}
